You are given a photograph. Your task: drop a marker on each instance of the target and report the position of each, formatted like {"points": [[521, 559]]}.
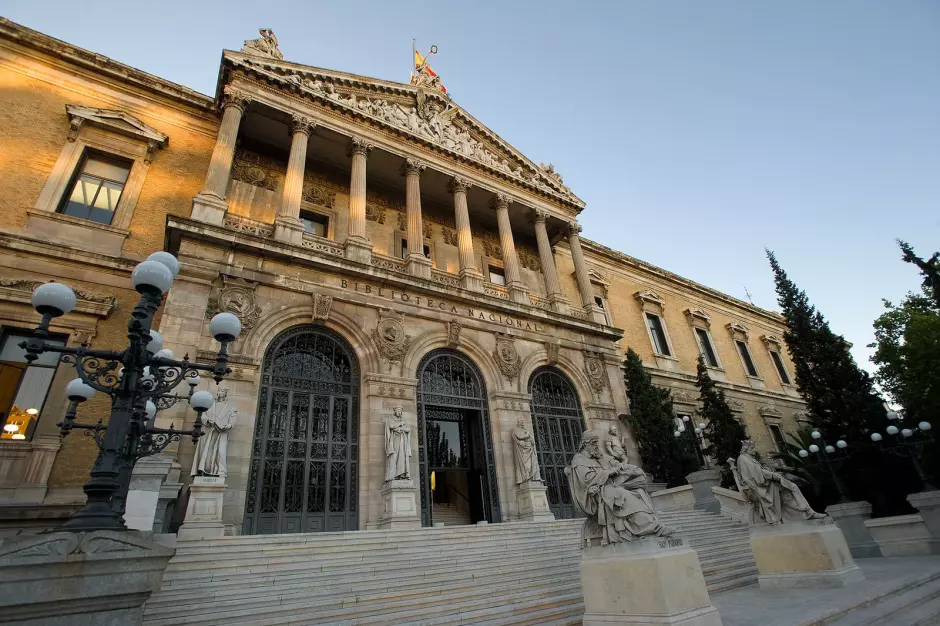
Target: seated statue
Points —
{"points": [[612, 495], [773, 498]]}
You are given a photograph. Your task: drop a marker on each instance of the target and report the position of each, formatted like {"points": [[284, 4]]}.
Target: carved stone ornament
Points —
{"points": [[528, 259], [772, 342], [22, 284], [649, 297], [595, 370], [115, 121], [84, 336], [449, 235], [492, 247], [257, 170], [301, 124], [322, 304], [770, 412], [358, 145], [237, 296], [803, 416], [736, 406], [375, 213], [698, 315], [552, 350], [453, 333], [264, 46], [681, 396], [389, 335], [75, 545], [738, 329], [506, 356]]}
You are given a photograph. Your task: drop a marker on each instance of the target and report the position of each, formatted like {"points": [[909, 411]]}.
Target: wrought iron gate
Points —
{"points": [[303, 475], [557, 423], [449, 380]]}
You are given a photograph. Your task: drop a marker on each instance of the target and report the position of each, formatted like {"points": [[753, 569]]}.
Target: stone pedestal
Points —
{"points": [[401, 505], [850, 518], [144, 494], [289, 230], [358, 250], [901, 535], [208, 208], [702, 482], [928, 504], [803, 555], [645, 582], [471, 279], [533, 503], [99, 578], [204, 511], [418, 265]]}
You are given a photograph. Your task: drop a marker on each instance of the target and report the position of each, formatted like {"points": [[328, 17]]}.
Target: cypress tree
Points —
{"points": [[653, 422], [722, 431]]}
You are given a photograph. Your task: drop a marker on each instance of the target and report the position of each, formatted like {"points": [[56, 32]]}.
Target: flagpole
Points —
{"points": [[413, 41]]}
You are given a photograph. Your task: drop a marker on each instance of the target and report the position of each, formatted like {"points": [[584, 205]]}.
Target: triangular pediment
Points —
{"points": [[115, 120], [425, 114]]}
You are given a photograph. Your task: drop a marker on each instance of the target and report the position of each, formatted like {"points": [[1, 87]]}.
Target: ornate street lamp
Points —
{"points": [[827, 455], [906, 443], [138, 379]]}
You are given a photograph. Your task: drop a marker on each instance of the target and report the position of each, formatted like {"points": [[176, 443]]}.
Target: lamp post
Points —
{"points": [[906, 443], [693, 439], [825, 455], [133, 378]]}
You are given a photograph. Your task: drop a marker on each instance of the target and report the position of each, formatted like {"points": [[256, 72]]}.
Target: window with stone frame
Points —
{"points": [[740, 335], [96, 187], [658, 334], [653, 309], [496, 275], [700, 321], [706, 349], [23, 385], [746, 358], [780, 367], [777, 434], [315, 223]]}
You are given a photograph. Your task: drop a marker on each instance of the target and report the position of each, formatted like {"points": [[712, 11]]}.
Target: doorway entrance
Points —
{"points": [[455, 452]]}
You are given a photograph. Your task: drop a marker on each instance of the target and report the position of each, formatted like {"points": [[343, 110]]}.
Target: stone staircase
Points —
{"points": [[449, 515], [518, 573], [913, 603]]}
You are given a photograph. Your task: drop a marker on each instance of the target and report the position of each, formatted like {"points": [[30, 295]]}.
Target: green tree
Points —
{"points": [[929, 269], [653, 422], [722, 431]]}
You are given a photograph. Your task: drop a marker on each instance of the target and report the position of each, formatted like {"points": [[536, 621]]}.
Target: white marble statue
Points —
{"points": [[773, 497], [265, 45], [614, 445], [397, 447], [612, 495], [213, 445], [527, 463]]}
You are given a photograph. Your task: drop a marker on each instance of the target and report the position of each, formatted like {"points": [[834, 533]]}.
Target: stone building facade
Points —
{"points": [[382, 248]]}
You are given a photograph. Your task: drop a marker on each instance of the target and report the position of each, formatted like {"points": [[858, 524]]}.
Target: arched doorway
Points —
{"points": [[303, 475], [455, 450], [557, 424]]}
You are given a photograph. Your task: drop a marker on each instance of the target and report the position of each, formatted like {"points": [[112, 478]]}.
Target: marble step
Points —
{"points": [[913, 602]]}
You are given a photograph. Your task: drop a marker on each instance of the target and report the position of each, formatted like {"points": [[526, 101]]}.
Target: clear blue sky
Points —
{"points": [[698, 132]]}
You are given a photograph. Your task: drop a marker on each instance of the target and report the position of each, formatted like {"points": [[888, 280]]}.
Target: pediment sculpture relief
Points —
{"points": [[236, 297]]}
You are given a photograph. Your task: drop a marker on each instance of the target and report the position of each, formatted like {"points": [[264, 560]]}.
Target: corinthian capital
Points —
{"points": [[538, 215], [235, 98], [412, 166], [459, 185], [358, 145], [301, 124], [500, 200], [573, 228]]}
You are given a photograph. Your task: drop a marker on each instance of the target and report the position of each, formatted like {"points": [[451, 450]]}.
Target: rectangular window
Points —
{"points": [[779, 439], [705, 347], [497, 277], [404, 249], [315, 224], [746, 357], [781, 370], [23, 387], [658, 333], [97, 188]]}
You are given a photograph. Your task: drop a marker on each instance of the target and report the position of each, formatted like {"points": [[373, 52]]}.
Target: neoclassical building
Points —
{"points": [[381, 247]]}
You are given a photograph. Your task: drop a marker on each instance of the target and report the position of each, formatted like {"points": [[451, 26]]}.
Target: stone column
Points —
{"points": [[416, 264], [470, 277], [209, 204], [287, 224], [518, 292], [358, 247], [593, 311], [549, 273]]}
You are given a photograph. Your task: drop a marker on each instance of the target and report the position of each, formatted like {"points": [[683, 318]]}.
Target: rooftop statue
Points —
{"points": [[613, 496], [265, 46], [774, 499]]}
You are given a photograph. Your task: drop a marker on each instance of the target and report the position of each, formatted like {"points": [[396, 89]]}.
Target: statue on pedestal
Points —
{"points": [[266, 45], [773, 497], [397, 447], [523, 447], [614, 445], [613, 496], [213, 445]]}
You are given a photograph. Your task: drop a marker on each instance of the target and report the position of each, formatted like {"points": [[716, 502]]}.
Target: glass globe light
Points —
{"points": [[18, 436], [10, 428], [816, 434], [892, 429], [165, 353], [156, 342], [151, 409], [893, 415], [225, 327], [803, 453], [685, 418], [152, 274], [676, 434], [193, 381], [830, 449], [907, 432], [698, 431], [53, 298], [814, 448], [841, 444], [924, 426], [201, 400], [702, 425], [876, 437], [78, 391], [168, 260]]}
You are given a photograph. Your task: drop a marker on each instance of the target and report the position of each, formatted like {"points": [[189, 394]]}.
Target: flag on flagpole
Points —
{"points": [[423, 67]]}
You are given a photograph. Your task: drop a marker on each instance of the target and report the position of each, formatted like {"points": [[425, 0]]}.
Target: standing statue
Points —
{"points": [[266, 45], [213, 445], [774, 498], [523, 447], [614, 446], [397, 447], [612, 495]]}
